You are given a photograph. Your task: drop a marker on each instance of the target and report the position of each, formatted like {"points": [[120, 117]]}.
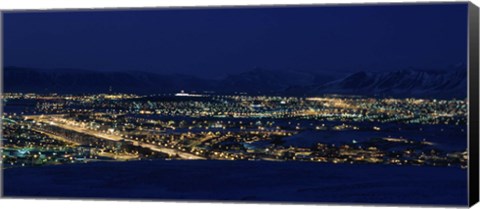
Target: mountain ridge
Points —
{"points": [[450, 83]]}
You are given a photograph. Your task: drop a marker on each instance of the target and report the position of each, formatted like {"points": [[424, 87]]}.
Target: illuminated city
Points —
{"points": [[57, 129]]}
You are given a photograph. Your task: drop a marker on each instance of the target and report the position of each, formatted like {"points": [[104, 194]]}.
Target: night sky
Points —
{"points": [[216, 42]]}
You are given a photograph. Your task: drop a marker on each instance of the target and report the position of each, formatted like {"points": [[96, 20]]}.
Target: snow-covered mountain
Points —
{"points": [[403, 83]]}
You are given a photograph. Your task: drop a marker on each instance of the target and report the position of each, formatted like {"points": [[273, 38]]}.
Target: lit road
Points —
{"points": [[54, 120], [169, 151], [53, 136]]}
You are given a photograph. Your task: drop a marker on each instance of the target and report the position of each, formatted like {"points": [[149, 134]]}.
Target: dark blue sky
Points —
{"points": [[216, 42]]}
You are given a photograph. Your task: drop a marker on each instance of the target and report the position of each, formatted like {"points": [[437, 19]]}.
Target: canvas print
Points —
{"points": [[340, 104]]}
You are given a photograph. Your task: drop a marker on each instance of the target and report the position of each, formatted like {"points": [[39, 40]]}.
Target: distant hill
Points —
{"points": [[272, 81], [84, 81], [451, 83]]}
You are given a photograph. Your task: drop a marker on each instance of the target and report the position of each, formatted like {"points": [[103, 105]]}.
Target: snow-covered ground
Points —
{"points": [[242, 181]]}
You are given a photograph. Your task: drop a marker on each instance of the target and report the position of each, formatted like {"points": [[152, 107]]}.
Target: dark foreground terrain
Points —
{"points": [[242, 181]]}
